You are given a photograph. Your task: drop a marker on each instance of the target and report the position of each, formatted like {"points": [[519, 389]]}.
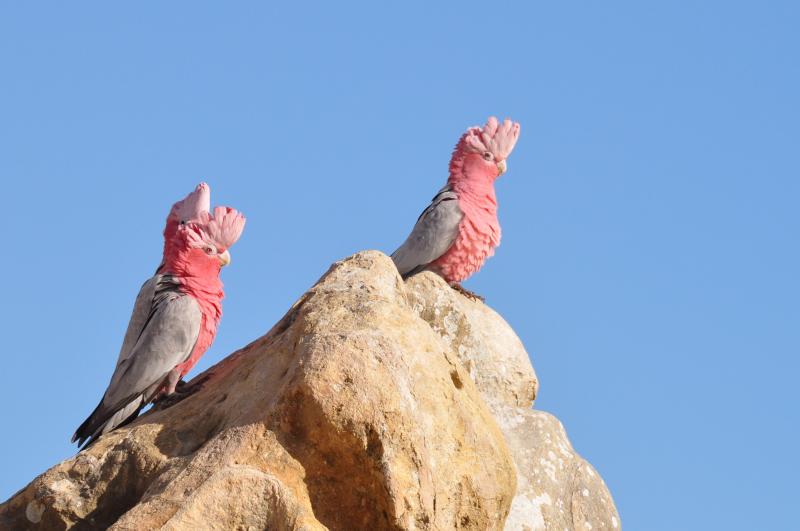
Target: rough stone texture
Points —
{"points": [[372, 404], [349, 414], [556, 488], [485, 344]]}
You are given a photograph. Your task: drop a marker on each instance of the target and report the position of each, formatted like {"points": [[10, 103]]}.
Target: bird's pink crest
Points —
{"points": [[499, 139], [222, 228], [190, 207]]}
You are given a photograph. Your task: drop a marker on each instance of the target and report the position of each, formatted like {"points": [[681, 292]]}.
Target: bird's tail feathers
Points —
{"points": [[102, 420]]}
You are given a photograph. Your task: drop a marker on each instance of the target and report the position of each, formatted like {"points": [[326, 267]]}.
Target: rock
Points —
{"points": [[556, 488], [485, 344], [373, 404], [351, 413]]}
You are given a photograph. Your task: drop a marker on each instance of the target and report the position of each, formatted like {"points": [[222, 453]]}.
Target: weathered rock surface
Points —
{"points": [[485, 344], [372, 404], [556, 488]]}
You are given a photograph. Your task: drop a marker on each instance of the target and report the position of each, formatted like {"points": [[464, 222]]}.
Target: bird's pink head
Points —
{"points": [[186, 210], [481, 152], [221, 228], [192, 205], [200, 247], [203, 243]]}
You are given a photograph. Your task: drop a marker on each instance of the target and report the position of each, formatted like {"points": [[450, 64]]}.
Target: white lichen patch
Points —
{"points": [[549, 468], [62, 486], [34, 511], [526, 513]]}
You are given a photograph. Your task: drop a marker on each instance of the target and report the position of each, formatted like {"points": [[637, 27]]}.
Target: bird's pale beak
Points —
{"points": [[501, 166], [225, 258]]}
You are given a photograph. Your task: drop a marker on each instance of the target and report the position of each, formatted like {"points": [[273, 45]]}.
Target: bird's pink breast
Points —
{"points": [[204, 340], [210, 302], [478, 235]]}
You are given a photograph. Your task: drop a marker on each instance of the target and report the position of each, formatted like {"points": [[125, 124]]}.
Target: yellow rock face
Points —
{"points": [[351, 413], [373, 404]]}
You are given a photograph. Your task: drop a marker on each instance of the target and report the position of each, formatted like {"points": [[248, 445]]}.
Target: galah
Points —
{"points": [[459, 230], [186, 210], [174, 320]]}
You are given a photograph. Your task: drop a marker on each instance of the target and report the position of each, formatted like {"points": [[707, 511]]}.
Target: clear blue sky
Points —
{"points": [[650, 213]]}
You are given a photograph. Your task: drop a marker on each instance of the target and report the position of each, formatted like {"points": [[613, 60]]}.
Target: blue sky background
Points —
{"points": [[650, 213]]}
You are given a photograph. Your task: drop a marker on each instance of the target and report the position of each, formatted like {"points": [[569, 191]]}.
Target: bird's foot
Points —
{"points": [[181, 386], [467, 293], [166, 401], [182, 390]]}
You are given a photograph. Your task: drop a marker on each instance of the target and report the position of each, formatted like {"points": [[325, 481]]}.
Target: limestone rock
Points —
{"points": [[556, 488], [351, 413], [485, 344], [373, 404]]}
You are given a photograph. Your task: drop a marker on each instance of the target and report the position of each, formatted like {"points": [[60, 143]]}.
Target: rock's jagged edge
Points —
{"points": [[372, 404]]}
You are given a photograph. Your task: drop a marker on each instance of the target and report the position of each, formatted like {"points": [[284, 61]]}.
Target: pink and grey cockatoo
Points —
{"points": [[175, 316], [459, 230], [186, 210]]}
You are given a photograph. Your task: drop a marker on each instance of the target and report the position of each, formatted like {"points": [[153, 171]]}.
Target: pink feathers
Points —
{"points": [[193, 204], [195, 254], [478, 159], [480, 155], [475, 243], [222, 228], [497, 139], [190, 225], [185, 210]]}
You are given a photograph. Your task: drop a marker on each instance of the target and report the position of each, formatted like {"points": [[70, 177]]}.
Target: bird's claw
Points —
{"points": [[166, 401], [182, 390], [467, 293]]}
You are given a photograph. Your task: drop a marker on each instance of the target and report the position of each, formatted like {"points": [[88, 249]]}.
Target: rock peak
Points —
{"points": [[372, 404]]}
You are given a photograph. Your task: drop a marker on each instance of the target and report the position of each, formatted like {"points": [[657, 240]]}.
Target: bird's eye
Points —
{"points": [[487, 155], [209, 250]]}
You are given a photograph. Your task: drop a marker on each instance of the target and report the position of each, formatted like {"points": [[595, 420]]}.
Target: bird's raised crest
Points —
{"points": [[494, 137], [221, 228]]}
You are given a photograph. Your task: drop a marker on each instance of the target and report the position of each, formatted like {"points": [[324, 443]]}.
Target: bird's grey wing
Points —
{"points": [[166, 341], [167, 336], [434, 233], [142, 310]]}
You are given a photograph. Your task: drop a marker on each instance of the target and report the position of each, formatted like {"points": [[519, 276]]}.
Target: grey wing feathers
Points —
{"points": [[166, 341], [142, 310], [161, 335], [434, 233]]}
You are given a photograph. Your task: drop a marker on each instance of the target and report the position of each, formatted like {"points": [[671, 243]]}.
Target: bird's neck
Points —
{"points": [[474, 191], [209, 296], [474, 187], [170, 230], [472, 179], [198, 275]]}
